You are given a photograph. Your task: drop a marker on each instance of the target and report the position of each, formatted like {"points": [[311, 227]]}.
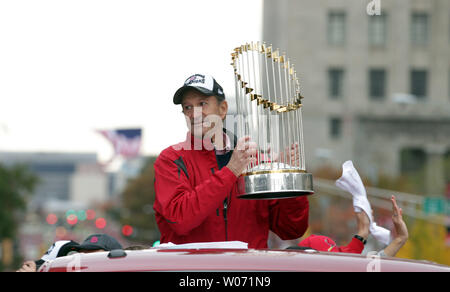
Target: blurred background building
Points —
{"points": [[66, 180], [62, 177], [377, 92], [377, 88]]}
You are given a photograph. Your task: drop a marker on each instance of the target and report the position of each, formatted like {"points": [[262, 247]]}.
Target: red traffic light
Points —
{"points": [[127, 230], [72, 219], [100, 223], [51, 219]]}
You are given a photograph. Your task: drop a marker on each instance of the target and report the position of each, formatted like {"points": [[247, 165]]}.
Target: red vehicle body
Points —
{"points": [[233, 260]]}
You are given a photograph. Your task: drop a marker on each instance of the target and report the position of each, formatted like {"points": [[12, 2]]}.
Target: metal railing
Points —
{"points": [[411, 204]]}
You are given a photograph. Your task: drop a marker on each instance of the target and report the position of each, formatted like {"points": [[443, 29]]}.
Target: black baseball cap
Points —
{"points": [[205, 84], [100, 241]]}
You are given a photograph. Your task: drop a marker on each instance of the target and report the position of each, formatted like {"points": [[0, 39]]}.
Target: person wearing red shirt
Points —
{"points": [[195, 180], [356, 245]]}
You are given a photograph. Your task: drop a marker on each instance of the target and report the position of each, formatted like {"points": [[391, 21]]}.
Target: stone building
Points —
{"points": [[376, 87]]}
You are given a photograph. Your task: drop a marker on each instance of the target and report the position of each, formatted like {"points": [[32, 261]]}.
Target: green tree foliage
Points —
{"points": [[16, 184], [137, 205]]}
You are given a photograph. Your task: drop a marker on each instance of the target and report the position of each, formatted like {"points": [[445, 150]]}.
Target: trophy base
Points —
{"points": [[278, 184]]}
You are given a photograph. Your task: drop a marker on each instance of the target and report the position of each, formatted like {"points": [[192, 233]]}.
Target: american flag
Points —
{"points": [[126, 142]]}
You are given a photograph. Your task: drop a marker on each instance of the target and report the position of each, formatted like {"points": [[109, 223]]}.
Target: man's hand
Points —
{"points": [[400, 229], [399, 224], [289, 156], [28, 266], [293, 158], [243, 155]]}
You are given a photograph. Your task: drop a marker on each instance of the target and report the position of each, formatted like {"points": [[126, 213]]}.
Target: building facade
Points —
{"points": [[64, 178], [376, 87]]}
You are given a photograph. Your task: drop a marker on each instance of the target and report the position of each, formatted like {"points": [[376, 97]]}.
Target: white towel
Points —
{"points": [[351, 182]]}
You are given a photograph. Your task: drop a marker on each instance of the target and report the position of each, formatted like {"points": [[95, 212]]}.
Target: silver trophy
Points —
{"points": [[269, 110]]}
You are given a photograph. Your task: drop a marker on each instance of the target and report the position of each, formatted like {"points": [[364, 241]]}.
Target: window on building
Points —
{"points": [[377, 83], [412, 160], [447, 170], [336, 82], [335, 127], [413, 163], [377, 30], [419, 29], [336, 28], [418, 83]]}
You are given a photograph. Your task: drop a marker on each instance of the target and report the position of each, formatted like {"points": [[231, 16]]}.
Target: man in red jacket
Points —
{"points": [[195, 180]]}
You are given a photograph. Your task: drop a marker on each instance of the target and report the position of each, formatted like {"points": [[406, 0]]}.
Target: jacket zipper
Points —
{"points": [[225, 209]]}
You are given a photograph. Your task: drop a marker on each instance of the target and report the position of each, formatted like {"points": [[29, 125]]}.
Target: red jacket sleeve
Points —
{"points": [[289, 217], [183, 205], [355, 246]]}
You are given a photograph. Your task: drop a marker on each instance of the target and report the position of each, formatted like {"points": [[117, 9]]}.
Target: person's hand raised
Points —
{"points": [[397, 219], [401, 230], [243, 155]]}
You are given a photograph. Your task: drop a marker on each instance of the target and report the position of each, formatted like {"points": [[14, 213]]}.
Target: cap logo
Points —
{"points": [[94, 239], [50, 249], [331, 245], [197, 78]]}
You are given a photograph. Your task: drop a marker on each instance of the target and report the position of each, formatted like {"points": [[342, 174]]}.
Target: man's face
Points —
{"points": [[202, 112]]}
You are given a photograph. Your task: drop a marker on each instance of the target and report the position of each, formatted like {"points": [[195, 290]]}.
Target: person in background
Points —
{"points": [[99, 242], [401, 231], [58, 249], [324, 243], [93, 243]]}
